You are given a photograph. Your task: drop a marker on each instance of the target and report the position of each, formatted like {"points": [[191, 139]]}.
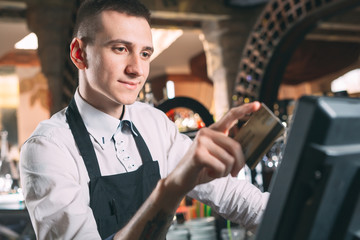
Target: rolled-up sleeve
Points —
{"points": [[52, 188], [234, 199]]}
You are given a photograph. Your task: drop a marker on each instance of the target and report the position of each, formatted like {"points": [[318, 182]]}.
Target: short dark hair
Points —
{"points": [[87, 23]]}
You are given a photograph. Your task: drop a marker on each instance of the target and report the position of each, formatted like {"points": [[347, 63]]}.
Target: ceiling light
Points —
{"points": [[163, 38], [349, 82], [28, 42]]}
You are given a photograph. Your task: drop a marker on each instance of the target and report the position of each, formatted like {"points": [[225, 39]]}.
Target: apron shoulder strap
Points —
{"points": [[140, 143], [82, 140]]}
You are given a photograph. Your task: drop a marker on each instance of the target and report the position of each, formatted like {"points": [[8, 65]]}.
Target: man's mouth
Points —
{"points": [[131, 85]]}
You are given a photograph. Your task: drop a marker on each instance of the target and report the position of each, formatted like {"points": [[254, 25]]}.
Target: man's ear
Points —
{"points": [[77, 53]]}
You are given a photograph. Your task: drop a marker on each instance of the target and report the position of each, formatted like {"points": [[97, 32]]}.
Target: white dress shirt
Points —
{"points": [[55, 180]]}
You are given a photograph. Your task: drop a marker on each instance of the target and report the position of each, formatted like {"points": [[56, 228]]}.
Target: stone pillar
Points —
{"points": [[224, 41], [51, 21], [215, 65]]}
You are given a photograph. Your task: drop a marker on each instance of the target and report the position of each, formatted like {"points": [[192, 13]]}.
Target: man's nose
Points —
{"points": [[134, 66]]}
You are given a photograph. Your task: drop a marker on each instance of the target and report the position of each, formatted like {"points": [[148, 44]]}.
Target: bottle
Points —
{"points": [[5, 175], [149, 97], [4, 146]]}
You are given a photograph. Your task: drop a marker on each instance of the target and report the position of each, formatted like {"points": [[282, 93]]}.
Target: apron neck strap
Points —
{"points": [[140, 143], [86, 147], [82, 140]]}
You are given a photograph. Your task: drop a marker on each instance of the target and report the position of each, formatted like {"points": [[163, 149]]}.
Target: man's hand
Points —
{"points": [[213, 154]]}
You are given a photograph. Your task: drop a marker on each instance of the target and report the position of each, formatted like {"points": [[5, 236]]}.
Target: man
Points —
{"points": [[110, 167]]}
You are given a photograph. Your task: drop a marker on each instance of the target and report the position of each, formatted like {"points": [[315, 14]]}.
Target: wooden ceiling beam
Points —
{"points": [[333, 37], [15, 10]]}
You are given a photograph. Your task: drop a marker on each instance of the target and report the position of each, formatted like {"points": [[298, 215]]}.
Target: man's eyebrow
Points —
{"points": [[151, 49], [117, 41]]}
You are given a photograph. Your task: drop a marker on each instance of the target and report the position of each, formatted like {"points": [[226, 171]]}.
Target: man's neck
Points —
{"points": [[117, 111]]}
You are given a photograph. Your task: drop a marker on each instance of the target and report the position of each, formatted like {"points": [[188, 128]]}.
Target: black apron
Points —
{"points": [[113, 199]]}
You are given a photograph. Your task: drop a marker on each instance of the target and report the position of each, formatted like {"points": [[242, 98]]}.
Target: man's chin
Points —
{"points": [[127, 101]]}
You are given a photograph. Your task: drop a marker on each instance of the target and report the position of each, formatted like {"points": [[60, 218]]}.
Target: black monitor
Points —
{"points": [[314, 193]]}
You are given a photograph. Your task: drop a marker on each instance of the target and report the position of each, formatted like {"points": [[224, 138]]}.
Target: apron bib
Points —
{"points": [[114, 199]]}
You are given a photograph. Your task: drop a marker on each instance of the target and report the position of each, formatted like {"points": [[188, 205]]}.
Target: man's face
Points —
{"points": [[117, 62]]}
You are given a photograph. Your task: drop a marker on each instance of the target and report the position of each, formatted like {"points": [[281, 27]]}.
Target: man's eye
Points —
{"points": [[145, 54], [120, 49]]}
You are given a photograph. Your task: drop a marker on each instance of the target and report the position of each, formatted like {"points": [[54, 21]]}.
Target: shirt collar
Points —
{"points": [[99, 124]]}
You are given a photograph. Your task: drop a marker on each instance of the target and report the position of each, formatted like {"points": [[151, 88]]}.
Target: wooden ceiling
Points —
{"points": [[332, 46], [296, 42]]}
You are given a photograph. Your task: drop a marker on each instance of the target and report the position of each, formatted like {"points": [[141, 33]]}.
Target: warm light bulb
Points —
{"points": [[170, 89], [28, 42]]}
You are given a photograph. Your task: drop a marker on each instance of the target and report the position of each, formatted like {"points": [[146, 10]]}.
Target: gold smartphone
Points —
{"points": [[258, 134]]}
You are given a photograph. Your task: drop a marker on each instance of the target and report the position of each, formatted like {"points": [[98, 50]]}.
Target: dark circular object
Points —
{"points": [[189, 103]]}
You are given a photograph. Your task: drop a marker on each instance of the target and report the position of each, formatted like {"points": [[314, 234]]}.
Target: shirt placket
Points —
{"points": [[121, 146]]}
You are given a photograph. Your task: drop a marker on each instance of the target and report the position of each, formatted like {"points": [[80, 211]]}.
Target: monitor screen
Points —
{"points": [[314, 194]]}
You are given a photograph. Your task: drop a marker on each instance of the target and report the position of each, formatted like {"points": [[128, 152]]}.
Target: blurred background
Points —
{"points": [[210, 55]]}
